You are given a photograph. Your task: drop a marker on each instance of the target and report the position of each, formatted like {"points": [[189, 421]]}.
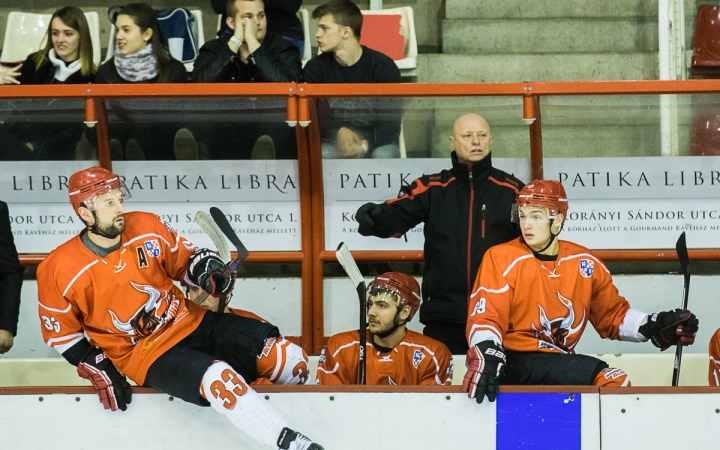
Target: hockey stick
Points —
{"points": [[242, 252], [348, 263], [211, 229], [682, 252]]}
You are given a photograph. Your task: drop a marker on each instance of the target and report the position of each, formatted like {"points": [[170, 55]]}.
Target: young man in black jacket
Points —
{"points": [[466, 210], [249, 54]]}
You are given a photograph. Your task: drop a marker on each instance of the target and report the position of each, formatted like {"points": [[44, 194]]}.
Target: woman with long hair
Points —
{"points": [[142, 57], [140, 54], [67, 58]]}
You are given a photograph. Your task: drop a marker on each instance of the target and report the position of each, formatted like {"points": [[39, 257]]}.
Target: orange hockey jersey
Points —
{"points": [[714, 351], [416, 360], [526, 304], [126, 303]]}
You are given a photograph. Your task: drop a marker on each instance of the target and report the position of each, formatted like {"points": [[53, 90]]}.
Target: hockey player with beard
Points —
{"points": [[533, 297], [395, 355], [114, 283]]}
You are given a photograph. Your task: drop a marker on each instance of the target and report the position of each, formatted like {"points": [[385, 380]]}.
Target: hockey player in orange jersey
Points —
{"points": [[395, 355], [533, 298], [114, 283]]}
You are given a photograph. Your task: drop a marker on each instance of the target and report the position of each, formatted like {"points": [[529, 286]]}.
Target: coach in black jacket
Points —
{"points": [[250, 53], [466, 210], [10, 282]]}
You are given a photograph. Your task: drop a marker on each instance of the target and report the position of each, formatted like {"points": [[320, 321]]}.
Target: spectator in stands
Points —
{"points": [[466, 210], [395, 355], [10, 282], [281, 17], [141, 57], [250, 54], [359, 127], [67, 58]]}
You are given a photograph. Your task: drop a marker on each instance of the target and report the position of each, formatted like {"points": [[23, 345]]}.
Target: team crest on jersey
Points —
{"points": [[587, 267], [556, 333], [323, 356], [152, 247], [159, 309], [418, 357]]}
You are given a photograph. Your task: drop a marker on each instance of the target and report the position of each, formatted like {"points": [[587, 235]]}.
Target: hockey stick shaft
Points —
{"points": [[681, 249], [242, 252], [348, 263]]}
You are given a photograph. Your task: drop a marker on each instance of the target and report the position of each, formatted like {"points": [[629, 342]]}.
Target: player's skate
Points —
{"points": [[292, 440]]}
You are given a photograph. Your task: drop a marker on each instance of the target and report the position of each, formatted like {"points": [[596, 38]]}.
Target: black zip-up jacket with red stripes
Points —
{"points": [[466, 210]]}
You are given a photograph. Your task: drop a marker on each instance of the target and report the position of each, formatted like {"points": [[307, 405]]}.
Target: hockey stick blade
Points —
{"points": [[682, 252], [224, 225], [348, 263], [211, 229]]}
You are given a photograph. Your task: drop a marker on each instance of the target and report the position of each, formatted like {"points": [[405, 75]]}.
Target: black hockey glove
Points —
{"points": [[112, 387], [366, 216], [485, 363], [290, 439], [668, 328], [205, 270]]}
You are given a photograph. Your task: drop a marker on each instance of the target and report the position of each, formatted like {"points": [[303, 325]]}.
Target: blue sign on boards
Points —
{"points": [[538, 421]]}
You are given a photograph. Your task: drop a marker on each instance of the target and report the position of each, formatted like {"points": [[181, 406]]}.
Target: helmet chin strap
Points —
{"points": [[98, 231], [552, 238]]}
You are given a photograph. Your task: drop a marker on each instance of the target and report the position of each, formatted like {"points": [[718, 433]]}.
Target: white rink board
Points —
{"points": [[660, 421], [350, 421]]}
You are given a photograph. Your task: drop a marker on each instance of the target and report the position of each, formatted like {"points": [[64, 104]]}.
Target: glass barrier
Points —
{"points": [[415, 127], [231, 128], [45, 129]]}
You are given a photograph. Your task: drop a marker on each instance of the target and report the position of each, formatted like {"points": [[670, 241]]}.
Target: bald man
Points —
{"points": [[466, 210]]}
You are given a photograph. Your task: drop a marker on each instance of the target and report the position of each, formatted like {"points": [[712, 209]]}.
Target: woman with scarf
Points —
{"points": [[67, 58], [142, 57]]}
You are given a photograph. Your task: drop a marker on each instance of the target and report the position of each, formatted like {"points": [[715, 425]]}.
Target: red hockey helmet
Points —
{"points": [[405, 286], [549, 194], [84, 186]]}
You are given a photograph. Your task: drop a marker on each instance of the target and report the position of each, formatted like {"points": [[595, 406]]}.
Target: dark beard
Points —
{"points": [[110, 231]]}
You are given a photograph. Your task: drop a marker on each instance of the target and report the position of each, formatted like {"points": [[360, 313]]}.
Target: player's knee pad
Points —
{"points": [[229, 394], [283, 362], [612, 378]]}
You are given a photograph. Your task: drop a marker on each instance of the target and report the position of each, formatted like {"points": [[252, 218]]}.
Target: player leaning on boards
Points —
{"points": [[395, 355], [114, 282], [533, 297]]}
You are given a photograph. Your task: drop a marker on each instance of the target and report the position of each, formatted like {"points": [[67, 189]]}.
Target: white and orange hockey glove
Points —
{"points": [[485, 363]]}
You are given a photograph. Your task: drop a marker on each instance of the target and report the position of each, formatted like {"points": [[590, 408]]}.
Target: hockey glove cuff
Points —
{"points": [[485, 366], [667, 328], [112, 387]]}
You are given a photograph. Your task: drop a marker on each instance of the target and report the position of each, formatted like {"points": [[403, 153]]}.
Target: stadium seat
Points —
{"points": [[407, 61], [706, 44], [197, 30], [25, 34], [705, 137]]}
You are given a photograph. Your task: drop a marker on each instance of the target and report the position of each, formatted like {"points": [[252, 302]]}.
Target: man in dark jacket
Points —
{"points": [[466, 210], [249, 54], [10, 282]]}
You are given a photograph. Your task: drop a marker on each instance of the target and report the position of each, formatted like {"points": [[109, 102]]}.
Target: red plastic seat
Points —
{"points": [[705, 138], [382, 33], [706, 44]]}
